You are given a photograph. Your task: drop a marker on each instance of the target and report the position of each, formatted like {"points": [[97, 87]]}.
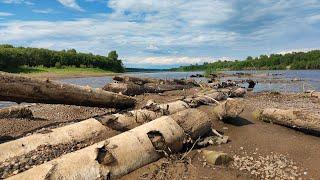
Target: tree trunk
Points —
{"points": [[123, 153], [136, 80], [24, 89], [63, 135], [130, 89], [292, 118]]}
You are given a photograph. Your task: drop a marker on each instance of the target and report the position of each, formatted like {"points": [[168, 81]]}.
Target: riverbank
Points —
{"points": [[61, 73]]}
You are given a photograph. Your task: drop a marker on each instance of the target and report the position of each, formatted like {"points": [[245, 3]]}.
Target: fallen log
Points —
{"points": [[292, 118], [137, 80], [124, 122], [130, 89], [75, 132], [24, 89], [16, 112], [120, 154], [145, 144]]}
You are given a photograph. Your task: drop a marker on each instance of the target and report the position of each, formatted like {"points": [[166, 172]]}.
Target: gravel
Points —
{"points": [[272, 166]]}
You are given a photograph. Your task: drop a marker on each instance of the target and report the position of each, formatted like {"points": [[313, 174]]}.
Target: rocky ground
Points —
{"points": [[259, 150]]}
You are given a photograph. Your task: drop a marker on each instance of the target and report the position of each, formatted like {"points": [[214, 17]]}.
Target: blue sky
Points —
{"points": [[164, 33]]}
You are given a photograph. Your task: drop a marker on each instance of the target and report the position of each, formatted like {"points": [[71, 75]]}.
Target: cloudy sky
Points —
{"points": [[164, 33]]}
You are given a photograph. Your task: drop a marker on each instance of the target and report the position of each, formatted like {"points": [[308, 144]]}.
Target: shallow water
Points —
{"points": [[307, 80]]}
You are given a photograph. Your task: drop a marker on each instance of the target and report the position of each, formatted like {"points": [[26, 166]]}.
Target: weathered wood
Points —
{"points": [[24, 89], [132, 119], [292, 118], [128, 151], [130, 89], [136, 80], [75, 132], [22, 111]]}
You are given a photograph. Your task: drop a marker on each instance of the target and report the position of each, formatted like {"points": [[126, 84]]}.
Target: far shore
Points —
{"points": [[62, 73]]}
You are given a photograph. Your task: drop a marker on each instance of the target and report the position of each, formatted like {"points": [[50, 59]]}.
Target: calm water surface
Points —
{"points": [[307, 80]]}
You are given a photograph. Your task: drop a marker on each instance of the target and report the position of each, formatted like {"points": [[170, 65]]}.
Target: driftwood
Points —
{"points": [[120, 154], [16, 112], [128, 151], [292, 118], [24, 89], [137, 80], [75, 132], [130, 89], [131, 119]]}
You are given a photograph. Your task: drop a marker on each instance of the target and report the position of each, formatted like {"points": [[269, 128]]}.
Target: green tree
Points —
{"points": [[113, 55]]}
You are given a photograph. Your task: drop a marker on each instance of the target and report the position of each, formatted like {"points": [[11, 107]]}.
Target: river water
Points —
{"points": [[303, 80]]}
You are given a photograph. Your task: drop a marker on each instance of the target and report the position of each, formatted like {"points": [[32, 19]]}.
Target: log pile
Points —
{"points": [[19, 89], [145, 144]]}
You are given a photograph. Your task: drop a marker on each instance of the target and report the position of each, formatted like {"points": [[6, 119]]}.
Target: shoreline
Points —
{"points": [[57, 76]]}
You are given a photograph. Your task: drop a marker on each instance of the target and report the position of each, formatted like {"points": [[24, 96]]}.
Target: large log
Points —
{"points": [[292, 118], [123, 153], [24, 89], [136, 80], [130, 89], [144, 144], [75, 132], [134, 118]]}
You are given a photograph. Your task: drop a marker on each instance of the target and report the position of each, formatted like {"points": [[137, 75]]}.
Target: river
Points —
{"points": [[303, 80]]}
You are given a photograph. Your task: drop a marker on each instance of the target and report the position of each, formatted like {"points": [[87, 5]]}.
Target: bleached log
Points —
{"points": [[130, 89], [292, 118], [118, 155], [24, 89], [128, 151], [126, 121], [75, 132]]}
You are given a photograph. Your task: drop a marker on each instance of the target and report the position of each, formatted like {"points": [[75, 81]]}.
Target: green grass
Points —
{"points": [[63, 71]]}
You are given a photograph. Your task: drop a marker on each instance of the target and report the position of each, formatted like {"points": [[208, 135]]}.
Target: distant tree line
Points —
{"points": [[11, 56], [295, 60]]}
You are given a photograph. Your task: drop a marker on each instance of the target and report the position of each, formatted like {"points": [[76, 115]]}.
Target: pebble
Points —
{"points": [[273, 166]]}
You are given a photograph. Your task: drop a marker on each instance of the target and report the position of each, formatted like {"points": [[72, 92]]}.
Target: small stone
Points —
{"points": [[15, 172], [241, 148]]}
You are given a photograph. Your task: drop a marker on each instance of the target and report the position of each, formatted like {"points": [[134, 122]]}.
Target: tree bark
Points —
{"points": [[130, 89], [24, 89], [292, 118], [123, 153]]}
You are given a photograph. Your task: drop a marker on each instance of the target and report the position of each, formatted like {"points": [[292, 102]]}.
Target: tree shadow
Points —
{"points": [[237, 121], [22, 69]]}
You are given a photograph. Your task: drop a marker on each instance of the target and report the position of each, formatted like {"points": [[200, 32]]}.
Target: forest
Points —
{"points": [[295, 60], [14, 57]]}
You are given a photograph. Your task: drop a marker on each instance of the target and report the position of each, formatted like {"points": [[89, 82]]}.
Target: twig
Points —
{"points": [[185, 154]]}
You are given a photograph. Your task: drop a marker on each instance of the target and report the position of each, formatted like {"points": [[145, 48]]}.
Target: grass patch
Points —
{"points": [[64, 71]]}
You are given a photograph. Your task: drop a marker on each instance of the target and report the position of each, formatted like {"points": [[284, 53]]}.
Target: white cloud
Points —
{"points": [[5, 14], [17, 2], [297, 50], [71, 4], [167, 60], [43, 11]]}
